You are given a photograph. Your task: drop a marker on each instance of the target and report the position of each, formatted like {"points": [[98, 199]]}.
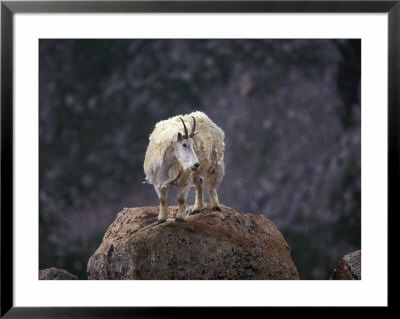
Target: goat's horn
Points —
{"points": [[193, 127], [186, 131]]}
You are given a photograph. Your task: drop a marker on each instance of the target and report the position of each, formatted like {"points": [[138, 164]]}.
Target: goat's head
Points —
{"points": [[183, 148]]}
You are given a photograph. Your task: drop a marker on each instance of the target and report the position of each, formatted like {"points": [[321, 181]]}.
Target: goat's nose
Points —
{"points": [[197, 165]]}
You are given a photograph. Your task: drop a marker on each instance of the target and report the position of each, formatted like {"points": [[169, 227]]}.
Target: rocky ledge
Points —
{"points": [[56, 274], [208, 245], [349, 267]]}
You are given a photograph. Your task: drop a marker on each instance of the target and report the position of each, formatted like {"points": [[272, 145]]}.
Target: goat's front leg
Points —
{"points": [[198, 205], [162, 193], [182, 195], [214, 199]]}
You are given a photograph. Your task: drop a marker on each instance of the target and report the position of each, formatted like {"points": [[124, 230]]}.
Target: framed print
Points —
{"points": [[163, 155]]}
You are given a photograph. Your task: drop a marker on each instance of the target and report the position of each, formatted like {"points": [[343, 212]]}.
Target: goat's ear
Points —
{"points": [[179, 137], [195, 133]]}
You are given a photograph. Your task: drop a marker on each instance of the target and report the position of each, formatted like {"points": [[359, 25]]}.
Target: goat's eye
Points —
{"points": [[184, 145]]}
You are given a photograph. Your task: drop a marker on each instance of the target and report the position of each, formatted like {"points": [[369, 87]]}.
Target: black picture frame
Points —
{"points": [[9, 8]]}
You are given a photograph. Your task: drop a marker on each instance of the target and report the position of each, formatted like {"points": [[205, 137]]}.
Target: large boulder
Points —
{"points": [[349, 267], [208, 245]]}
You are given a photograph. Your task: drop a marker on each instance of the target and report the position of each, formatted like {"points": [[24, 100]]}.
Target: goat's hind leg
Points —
{"points": [[162, 193]]}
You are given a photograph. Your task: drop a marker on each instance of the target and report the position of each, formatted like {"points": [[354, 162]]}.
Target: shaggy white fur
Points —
{"points": [[208, 144]]}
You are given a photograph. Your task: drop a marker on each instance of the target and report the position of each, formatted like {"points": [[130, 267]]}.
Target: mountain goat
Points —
{"points": [[175, 157]]}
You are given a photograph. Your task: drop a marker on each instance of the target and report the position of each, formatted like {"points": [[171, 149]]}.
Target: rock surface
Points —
{"points": [[208, 245], [56, 274], [349, 267]]}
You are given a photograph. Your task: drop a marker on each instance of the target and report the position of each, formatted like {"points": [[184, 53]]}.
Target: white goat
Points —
{"points": [[179, 159]]}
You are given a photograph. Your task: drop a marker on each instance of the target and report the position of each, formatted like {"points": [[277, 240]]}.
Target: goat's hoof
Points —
{"points": [[216, 208], [179, 219], [195, 211], [160, 221]]}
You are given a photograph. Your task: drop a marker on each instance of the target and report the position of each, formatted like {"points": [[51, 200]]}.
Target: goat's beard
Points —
{"points": [[186, 168]]}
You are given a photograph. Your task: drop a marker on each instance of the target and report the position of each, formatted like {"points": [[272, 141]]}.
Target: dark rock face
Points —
{"points": [[56, 274], [349, 267], [209, 245]]}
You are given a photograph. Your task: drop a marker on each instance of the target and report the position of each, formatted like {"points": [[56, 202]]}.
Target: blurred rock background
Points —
{"points": [[290, 110]]}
